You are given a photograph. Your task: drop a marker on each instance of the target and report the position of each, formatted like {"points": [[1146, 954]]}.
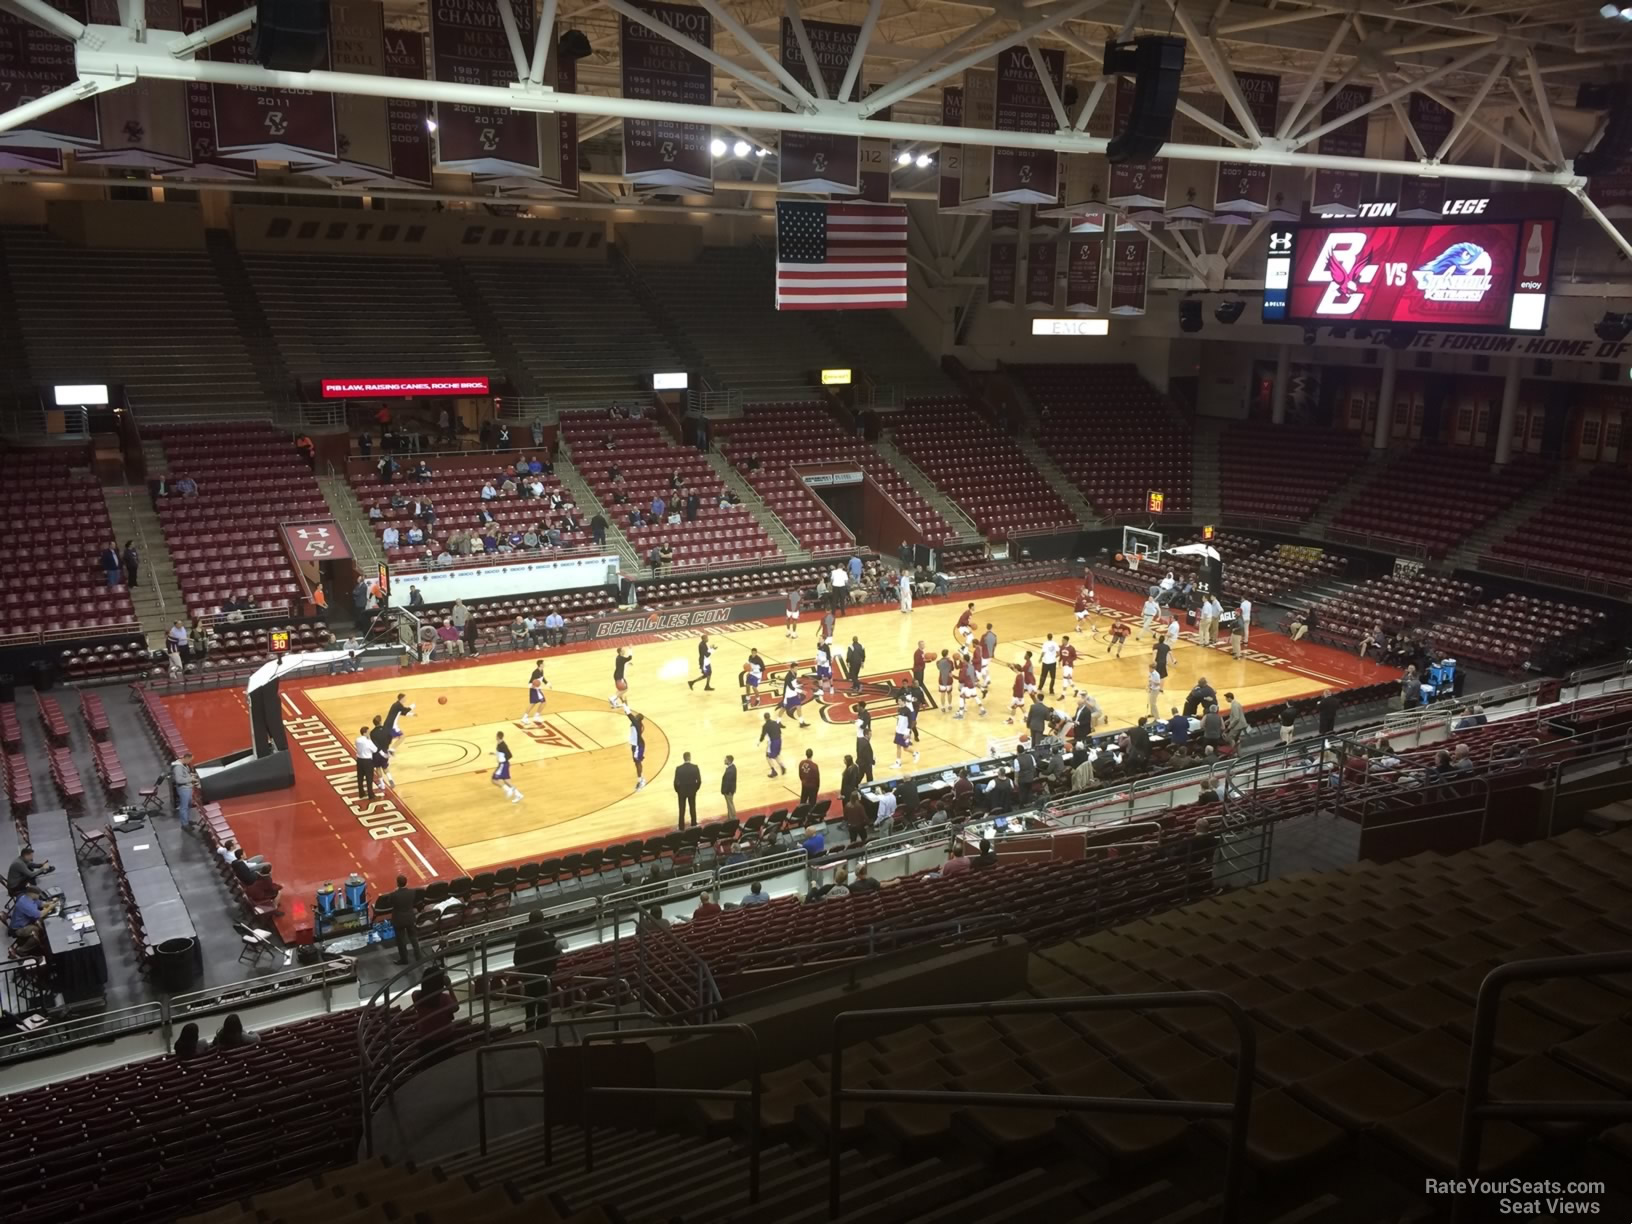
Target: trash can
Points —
{"points": [[175, 964], [42, 674]]}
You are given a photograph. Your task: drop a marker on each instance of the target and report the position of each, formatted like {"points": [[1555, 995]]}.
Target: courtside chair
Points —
{"points": [[504, 883], [461, 888], [436, 892], [526, 879], [549, 872], [481, 886], [591, 867], [571, 865]]}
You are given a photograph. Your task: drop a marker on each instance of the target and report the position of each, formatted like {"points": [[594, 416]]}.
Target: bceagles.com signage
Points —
{"points": [[674, 620]]}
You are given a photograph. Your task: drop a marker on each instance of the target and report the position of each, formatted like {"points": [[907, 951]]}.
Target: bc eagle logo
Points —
{"points": [[1459, 273]]}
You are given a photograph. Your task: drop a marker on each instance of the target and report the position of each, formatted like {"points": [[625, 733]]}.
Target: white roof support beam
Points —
{"points": [[1213, 125], [1311, 114], [752, 45], [47, 18], [1313, 80], [696, 48], [1386, 80], [1272, 19], [1410, 87], [25, 114], [905, 88], [1544, 104], [1221, 73], [133, 16], [1091, 104], [802, 37], [185, 46], [512, 36], [853, 68], [1464, 115], [1484, 129], [1062, 121], [541, 44]]}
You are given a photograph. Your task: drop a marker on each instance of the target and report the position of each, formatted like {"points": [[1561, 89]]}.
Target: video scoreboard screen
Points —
{"points": [[1474, 275]]}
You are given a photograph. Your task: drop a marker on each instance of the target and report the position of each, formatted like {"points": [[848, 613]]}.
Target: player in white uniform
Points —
{"points": [[1148, 615], [1173, 630], [1050, 660], [824, 666], [750, 680]]}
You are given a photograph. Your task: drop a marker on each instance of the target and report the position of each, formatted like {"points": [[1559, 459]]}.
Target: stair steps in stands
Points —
{"points": [[353, 520], [762, 513], [1376, 463], [960, 522], [1058, 480], [489, 325], [1497, 528], [659, 315], [589, 506], [156, 595], [17, 375], [1204, 496], [247, 315]]}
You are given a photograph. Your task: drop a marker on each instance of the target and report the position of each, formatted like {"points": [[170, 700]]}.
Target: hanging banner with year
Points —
{"points": [[813, 161], [269, 123], [659, 153]]}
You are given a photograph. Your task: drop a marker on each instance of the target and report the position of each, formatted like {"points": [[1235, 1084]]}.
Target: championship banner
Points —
{"points": [[144, 124], [1338, 191], [1243, 187], [1130, 265], [410, 134], [876, 163], [362, 125], [1042, 267], [1422, 198], [468, 46], [1025, 176], [1001, 259], [1141, 186], [33, 63], [660, 154], [557, 141], [1612, 193], [950, 165], [979, 99], [1085, 255], [807, 161], [271, 124]]}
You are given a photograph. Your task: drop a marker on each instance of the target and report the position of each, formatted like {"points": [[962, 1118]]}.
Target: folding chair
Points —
{"points": [[257, 943], [92, 846], [151, 796]]}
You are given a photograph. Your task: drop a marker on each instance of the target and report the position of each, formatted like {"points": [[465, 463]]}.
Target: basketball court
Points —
{"points": [[443, 816]]}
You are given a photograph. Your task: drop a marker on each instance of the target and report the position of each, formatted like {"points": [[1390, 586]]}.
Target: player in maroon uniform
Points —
{"points": [[1019, 698], [1119, 635], [965, 629], [1068, 659]]}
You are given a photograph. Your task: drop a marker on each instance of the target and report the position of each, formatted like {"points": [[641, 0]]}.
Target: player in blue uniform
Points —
{"points": [[770, 734], [751, 678], [903, 733], [501, 771], [535, 695], [637, 747], [705, 666], [793, 696]]}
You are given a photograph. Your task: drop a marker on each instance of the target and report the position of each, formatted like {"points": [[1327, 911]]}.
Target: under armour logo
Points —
{"points": [[275, 123], [667, 151]]}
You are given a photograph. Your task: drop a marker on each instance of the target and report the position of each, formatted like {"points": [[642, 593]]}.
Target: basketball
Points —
{"points": [[1119, 556], [441, 701]]}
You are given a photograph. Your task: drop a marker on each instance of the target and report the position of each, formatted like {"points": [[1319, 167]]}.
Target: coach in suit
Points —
{"points": [[728, 787], [403, 905], [688, 780], [854, 656]]}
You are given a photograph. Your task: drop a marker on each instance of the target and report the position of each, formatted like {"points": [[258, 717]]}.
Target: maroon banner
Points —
{"points": [[468, 46], [319, 540], [207, 160], [950, 164], [1026, 176], [1001, 268], [1421, 199], [1612, 193], [1141, 184], [384, 388], [1243, 187], [362, 125], [410, 135], [877, 165], [144, 124], [1338, 191], [660, 154], [566, 122], [269, 124], [33, 63], [809, 161], [1042, 266], [1085, 257], [1130, 265]]}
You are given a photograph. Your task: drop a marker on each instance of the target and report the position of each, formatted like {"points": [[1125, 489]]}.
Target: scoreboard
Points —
{"points": [[1472, 274]]}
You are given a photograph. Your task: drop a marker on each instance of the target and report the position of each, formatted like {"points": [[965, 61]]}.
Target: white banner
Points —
{"points": [[493, 581]]}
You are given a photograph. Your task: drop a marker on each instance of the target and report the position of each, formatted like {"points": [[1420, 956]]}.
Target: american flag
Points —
{"points": [[841, 256]]}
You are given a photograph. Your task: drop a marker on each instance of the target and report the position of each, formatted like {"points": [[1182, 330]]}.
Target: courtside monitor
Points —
{"points": [[1454, 275]]}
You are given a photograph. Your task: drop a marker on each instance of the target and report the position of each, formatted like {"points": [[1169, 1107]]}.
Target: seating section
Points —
{"points": [[118, 657], [1395, 603], [1111, 434], [777, 436], [494, 616], [581, 333], [1261, 573], [156, 322], [19, 784], [649, 462], [455, 490], [224, 541], [335, 316], [1437, 495], [722, 304], [1308, 466], [1520, 632], [978, 467], [761, 584], [1584, 532], [53, 526]]}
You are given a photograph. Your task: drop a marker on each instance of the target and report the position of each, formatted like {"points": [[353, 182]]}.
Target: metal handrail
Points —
{"points": [[751, 1094], [1477, 1107], [484, 1093], [1238, 1112], [874, 931]]}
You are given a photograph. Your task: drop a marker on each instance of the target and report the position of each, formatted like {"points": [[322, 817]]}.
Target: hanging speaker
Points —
{"points": [[1157, 66], [291, 35]]}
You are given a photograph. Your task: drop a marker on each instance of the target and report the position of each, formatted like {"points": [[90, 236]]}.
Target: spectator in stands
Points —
{"points": [[1000, 793], [814, 843], [1138, 744], [555, 629], [182, 779], [1462, 757], [472, 637], [855, 817], [637, 517], [503, 440], [131, 560], [386, 469], [665, 554], [1410, 687], [416, 597], [375, 514], [186, 486], [110, 564], [728, 499], [1298, 625], [754, 896], [840, 886], [1177, 729], [810, 777], [1082, 772], [1289, 719], [597, 530], [708, 905], [435, 1006], [518, 632], [536, 954], [365, 445], [24, 871], [390, 537], [416, 536], [693, 503], [957, 863], [489, 492], [1212, 728], [459, 614], [490, 542], [449, 638], [232, 1035], [1326, 708], [228, 851], [659, 508], [187, 1045], [422, 471], [1473, 716]]}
